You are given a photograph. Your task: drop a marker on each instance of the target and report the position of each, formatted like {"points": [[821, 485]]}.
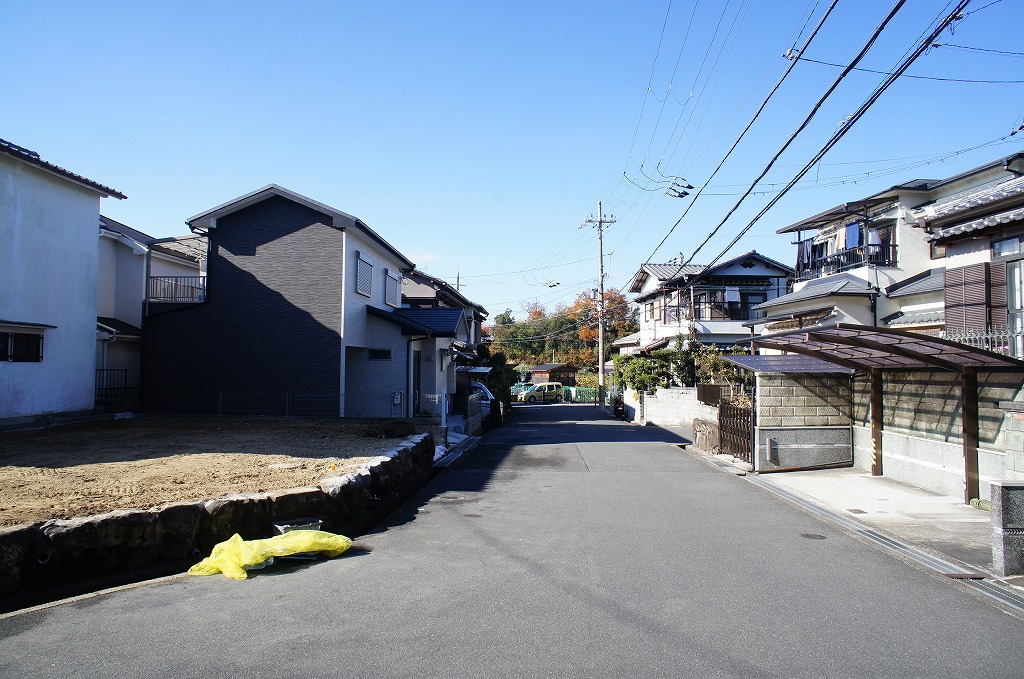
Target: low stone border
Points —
{"points": [[52, 559]]}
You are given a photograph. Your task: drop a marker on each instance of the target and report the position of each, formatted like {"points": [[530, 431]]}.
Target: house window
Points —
{"points": [[1006, 247], [649, 311], [21, 347], [380, 354], [1015, 305], [364, 276], [391, 288]]}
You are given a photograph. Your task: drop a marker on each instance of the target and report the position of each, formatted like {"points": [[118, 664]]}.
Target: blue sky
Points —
{"points": [[477, 137]]}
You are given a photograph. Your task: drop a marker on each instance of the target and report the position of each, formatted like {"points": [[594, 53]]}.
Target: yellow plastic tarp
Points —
{"points": [[235, 556]]}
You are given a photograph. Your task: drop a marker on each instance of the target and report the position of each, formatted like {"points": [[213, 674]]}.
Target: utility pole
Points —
{"points": [[599, 224]]}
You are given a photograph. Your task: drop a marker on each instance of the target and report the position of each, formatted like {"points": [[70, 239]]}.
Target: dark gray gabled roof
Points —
{"points": [[933, 280], [840, 284], [125, 230], [31, 157], [207, 220]]}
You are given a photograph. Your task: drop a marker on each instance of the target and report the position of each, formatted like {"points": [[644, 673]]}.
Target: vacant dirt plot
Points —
{"points": [[98, 467]]}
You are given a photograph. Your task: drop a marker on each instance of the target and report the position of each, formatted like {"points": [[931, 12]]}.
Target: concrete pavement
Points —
{"points": [[565, 544], [940, 531]]}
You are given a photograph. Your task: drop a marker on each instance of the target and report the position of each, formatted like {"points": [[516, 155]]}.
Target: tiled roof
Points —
{"points": [[929, 316], [33, 158], [990, 194], [664, 272], [1013, 215]]}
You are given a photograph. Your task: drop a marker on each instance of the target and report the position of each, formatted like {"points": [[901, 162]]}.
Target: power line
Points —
{"points": [[925, 77], [841, 132], [797, 56]]}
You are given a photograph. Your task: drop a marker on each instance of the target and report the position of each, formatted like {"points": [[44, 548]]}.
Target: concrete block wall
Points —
{"points": [[922, 439], [62, 556], [673, 407], [803, 401], [1013, 442]]}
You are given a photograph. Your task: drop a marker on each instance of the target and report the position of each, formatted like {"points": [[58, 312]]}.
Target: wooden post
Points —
{"points": [[969, 421], [876, 422]]}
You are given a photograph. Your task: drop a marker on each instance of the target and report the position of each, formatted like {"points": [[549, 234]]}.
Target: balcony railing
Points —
{"points": [[1000, 339], [729, 311], [182, 289], [844, 260]]}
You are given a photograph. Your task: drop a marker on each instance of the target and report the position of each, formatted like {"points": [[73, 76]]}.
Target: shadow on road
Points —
{"points": [[535, 437]]}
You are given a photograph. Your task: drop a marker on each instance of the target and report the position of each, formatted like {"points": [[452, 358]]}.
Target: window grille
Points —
{"points": [[21, 347]]}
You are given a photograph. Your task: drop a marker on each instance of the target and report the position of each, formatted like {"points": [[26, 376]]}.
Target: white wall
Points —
{"points": [[48, 269], [367, 385]]}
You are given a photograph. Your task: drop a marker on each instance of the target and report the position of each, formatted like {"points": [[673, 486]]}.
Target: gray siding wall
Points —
{"points": [[371, 385], [271, 322]]}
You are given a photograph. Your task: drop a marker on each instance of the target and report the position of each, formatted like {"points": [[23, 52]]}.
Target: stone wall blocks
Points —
{"points": [[176, 528], [295, 503], [62, 551]]}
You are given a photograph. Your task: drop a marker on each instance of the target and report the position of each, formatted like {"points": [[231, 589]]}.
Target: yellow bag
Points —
{"points": [[235, 556]]}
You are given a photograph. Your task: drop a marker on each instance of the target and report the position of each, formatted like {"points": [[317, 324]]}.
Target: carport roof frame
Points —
{"points": [[785, 363], [862, 347]]}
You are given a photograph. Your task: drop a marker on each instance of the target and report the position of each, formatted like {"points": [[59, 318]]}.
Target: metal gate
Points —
{"points": [[736, 431]]}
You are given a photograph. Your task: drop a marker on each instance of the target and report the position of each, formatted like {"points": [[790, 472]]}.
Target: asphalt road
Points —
{"points": [[566, 544]]}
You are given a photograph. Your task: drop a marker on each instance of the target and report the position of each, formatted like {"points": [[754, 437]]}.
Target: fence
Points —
{"points": [[113, 392], [278, 404], [736, 431], [177, 289], [581, 394], [1000, 339]]}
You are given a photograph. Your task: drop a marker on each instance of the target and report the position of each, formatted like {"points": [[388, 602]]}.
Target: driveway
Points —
{"points": [[565, 544]]}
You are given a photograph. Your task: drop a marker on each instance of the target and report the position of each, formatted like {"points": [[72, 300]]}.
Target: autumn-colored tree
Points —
{"points": [[568, 335]]}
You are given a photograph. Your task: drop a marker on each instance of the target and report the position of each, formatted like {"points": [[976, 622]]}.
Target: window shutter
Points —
{"points": [[966, 299], [997, 295], [364, 275]]}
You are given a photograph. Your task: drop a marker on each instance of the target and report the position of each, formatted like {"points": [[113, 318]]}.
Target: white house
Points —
{"points": [[678, 299], [125, 257], [48, 284]]}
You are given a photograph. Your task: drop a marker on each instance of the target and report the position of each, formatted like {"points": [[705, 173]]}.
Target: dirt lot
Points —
{"points": [[98, 467]]}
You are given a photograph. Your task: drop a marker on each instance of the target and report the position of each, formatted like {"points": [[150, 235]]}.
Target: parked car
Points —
{"points": [[486, 399], [519, 387], [543, 392]]}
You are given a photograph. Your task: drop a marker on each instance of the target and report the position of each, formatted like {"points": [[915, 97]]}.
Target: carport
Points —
{"points": [[873, 350]]}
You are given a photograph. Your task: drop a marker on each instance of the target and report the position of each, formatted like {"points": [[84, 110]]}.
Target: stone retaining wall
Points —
{"points": [[60, 557]]}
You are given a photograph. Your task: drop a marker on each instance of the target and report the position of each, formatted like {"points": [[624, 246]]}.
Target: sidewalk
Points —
{"points": [[938, 531]]}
